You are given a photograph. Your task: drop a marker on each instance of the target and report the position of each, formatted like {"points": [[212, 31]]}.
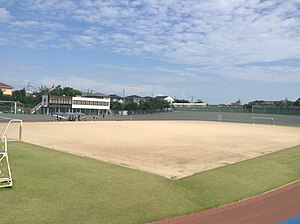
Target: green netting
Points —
{"points": [[226, 109], [276, 110], [214, 109]]}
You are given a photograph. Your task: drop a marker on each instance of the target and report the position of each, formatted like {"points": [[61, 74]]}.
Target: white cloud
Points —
{"points": [[83, 40], [216, 34], [25, 24], [4, 15], [3, 41]]}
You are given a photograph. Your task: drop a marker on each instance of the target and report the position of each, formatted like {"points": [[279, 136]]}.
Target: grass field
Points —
{"points": [[56, 187]]}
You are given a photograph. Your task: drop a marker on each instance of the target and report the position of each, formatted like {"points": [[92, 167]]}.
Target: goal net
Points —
{"points": [[262, 120], [8, 107]]}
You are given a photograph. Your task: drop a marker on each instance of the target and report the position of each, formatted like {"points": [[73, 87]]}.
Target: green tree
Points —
{"points": [[4, 97], [114, 105], [131, 106], [181, 101], [19, 95], [68, 91], [297, 102], [57, 91], [154, 104], [44, 90]]}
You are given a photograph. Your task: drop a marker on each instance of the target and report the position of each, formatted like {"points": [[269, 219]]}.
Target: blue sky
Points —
{"points": [[215, 50]]}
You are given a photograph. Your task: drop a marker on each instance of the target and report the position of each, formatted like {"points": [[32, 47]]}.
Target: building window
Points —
{"points": [[91, 103]]}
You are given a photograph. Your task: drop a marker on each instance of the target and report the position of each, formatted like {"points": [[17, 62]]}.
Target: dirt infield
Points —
{"points": [[270, 208], [173, 149]]}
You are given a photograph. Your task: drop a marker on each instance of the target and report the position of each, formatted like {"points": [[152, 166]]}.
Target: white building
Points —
{"points": [[66, 104], [166, 98], [189, 104]]}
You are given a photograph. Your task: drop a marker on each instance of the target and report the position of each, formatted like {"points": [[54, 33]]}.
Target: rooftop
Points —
{"points": [[96, 95], [133, 96], [114, 96], [5, 86]]}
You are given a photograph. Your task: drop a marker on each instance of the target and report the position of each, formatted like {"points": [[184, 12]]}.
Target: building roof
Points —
{"points": [[161, 97], [96, 95], [133, 97], [5, 86], [114, 96]]}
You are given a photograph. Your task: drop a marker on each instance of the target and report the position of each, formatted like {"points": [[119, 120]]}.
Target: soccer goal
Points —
{"points": [[262, 120], [8, 106], [5, 172], [11, 128]]}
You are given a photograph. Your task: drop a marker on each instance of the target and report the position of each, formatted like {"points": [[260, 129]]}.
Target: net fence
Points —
{"points": [[215, 116], [265, 109]]}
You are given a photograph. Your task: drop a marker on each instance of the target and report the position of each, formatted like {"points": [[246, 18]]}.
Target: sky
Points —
{"points": [[218, 51]]}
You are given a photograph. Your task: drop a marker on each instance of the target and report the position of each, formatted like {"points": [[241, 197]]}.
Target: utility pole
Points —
{"points": [[28, 87]]}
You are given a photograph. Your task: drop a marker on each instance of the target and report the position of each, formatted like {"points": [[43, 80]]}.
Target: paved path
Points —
{"points": [[272, 207]]}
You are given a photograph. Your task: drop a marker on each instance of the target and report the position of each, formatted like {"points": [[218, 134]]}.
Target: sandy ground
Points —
{"points": [[173, 149]]}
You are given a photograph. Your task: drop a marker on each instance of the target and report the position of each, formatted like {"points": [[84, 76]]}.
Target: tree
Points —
{"points": [[43, 90], [131, 106], [4, 97], [114, 105], [297, 102], [57, 91], [19, 95], [154, 104], [181, 101], [68, 91]]}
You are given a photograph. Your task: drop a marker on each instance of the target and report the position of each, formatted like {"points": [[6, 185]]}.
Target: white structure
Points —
{"points": [[189, 104], [166, 98], [5, 172], [116, 98], [67, 104], [90, 103]]}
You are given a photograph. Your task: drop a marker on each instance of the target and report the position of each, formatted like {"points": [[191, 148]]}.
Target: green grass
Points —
{"points": [[56, 187]]}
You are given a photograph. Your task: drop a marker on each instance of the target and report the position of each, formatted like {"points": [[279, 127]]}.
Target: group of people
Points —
{"points": [[96, 118], [77, 118]]}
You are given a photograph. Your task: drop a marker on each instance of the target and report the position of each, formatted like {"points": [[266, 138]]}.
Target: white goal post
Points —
{"points": [[19, 137], [255, 119], [5, 173]]}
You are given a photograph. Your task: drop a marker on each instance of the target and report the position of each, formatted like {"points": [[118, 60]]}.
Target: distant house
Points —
{"points": [[133, 99], [237, 103], [166, 98], [6, 89], [148, 97], [116, 98]]}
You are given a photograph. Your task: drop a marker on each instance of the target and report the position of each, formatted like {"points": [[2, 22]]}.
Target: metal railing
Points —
{"points": [[35, 108]]}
